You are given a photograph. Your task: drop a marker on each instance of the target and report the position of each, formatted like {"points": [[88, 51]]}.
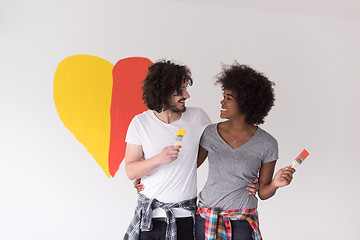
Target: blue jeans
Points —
{"points": [[240, 229]]}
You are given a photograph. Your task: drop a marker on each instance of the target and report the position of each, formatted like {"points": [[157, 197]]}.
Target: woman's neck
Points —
{"points": [[236, 132], [239, 124]]}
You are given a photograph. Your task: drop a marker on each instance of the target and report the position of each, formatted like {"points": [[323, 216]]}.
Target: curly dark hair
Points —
{"points": [[163, 78], [254, 91]]}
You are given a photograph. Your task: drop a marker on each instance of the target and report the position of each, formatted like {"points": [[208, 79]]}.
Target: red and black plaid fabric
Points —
{"points": [[218, 225]]}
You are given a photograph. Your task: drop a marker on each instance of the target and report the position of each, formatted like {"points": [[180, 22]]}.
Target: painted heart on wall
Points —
{"points": [[96, 101]]}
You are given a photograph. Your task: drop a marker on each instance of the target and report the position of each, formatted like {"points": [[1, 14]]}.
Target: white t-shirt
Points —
{"points": [[176, 181]]}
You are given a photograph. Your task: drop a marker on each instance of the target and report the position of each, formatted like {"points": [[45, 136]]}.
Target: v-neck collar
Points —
{"points": [[228, 145]]}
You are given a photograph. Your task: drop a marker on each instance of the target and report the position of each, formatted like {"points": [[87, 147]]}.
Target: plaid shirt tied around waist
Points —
{"points": [[218, 225], [142, 220]]}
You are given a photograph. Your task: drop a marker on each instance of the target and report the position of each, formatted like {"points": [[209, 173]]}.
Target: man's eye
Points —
{"points": [[180, 93]]}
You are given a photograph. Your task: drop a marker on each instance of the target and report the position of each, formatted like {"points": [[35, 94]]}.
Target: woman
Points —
{"points": [[238, 151]]}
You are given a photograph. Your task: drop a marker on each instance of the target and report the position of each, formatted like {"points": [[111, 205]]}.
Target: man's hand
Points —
{"points": [[168, 154], [137, 167], [139, 186], [253, 188]]}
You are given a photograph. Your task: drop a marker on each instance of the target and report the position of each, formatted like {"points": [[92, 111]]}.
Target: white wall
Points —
{"points": [[51, 188]]}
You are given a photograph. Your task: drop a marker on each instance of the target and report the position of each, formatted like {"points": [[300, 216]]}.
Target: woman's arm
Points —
{"points": [[268, 184], [138, 185], [202, 154]]}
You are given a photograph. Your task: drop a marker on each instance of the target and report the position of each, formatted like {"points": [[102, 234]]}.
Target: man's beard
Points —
{"points": [[175, 109]]}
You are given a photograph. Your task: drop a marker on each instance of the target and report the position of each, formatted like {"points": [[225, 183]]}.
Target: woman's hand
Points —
{"points": [[283, 177], [138, 186], [253, 188], [268, 183]]}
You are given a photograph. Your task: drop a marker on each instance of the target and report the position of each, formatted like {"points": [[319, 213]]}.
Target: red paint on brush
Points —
{"points": [[303, 154]]}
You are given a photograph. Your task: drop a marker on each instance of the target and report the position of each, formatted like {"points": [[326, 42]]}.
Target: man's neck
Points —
{"points": [[168, 116]]}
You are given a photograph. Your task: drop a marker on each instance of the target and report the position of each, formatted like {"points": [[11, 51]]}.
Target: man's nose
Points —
{"points": [[185, 94]]}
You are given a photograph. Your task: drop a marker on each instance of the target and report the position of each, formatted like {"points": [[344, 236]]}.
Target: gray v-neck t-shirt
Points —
{"points": [[230, 170]]}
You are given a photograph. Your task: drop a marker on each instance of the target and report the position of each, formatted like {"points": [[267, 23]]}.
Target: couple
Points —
{"points": [[239, 152]]}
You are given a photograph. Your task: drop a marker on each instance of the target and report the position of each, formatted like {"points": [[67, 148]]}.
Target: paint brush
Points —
{"points": [[179, 136], [300, 158]]}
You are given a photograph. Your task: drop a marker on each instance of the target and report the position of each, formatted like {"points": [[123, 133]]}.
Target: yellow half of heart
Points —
{"points": [[82, 95]]}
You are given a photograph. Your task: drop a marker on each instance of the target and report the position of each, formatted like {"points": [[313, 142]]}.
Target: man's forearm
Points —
{"points": [[139, 169]]}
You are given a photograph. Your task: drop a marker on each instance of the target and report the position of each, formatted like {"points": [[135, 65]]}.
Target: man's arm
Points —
{"points": [[137, 168]]}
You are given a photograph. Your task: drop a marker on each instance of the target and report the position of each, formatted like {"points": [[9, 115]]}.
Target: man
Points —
{"points": [[167, 205]]}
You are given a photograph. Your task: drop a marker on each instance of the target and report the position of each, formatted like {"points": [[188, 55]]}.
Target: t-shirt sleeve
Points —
{"points": [[204, 123], [133, 135], [272, 153]]}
